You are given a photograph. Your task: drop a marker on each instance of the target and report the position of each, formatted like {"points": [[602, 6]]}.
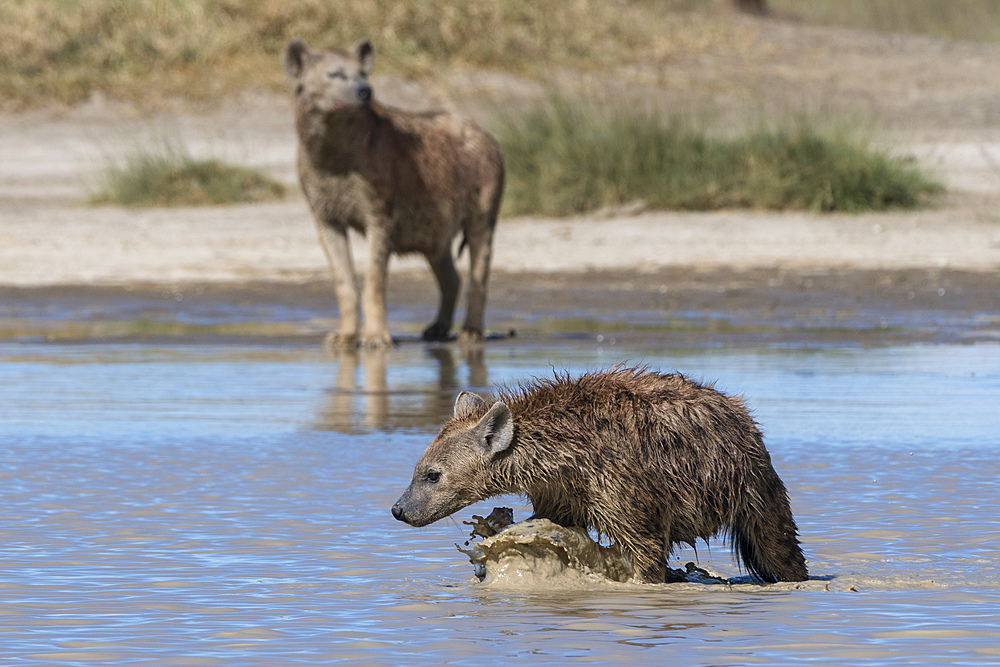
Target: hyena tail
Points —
{"points": [[765, 536]]}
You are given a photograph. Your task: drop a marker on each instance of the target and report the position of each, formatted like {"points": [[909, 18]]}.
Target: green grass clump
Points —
{"points": [[570, 158], [173, 178]]}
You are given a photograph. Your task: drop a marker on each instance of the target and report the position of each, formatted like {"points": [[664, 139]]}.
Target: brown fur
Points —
{"points": [[411, 182], [650, 460]]}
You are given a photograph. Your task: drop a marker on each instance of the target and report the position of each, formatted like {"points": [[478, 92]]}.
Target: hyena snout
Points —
{"points": [[364, 92], [404, 511], [412, 518], [416, 509]]}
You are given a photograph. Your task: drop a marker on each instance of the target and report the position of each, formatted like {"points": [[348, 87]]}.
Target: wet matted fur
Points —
{"points": [[648, 459]]}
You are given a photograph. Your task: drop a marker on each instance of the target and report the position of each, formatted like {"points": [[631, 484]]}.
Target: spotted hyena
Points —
{"points": [[411, 182]]}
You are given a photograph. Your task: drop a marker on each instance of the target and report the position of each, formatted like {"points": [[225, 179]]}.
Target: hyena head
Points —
{"points": [[330, 80], [455, 470]]}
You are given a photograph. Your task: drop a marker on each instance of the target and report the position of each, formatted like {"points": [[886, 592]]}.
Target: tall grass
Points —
{"points": [[570, 157], [171, 177]]}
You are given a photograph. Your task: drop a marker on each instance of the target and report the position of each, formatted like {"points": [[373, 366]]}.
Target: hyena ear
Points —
{"points": [[467, 402], [295, 56], [365, 53], [496, 429]]}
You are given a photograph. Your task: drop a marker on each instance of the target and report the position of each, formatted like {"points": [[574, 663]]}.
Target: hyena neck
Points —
{"points": [[527, 472], [523, 469], [547, 450], [341, 135]]}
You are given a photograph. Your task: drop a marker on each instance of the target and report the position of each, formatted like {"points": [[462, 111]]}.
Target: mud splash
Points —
{"points": [[537, 552]]}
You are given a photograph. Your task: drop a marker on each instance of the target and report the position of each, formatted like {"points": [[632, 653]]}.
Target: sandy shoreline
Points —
{"points": [[277, 242], [47, 236]]}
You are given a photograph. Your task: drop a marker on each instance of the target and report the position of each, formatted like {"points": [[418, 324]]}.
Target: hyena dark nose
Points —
{"points": [[397, 512], [364, 92]]}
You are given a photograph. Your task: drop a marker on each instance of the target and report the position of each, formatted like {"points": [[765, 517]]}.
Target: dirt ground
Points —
{"points": [[934, 100]]}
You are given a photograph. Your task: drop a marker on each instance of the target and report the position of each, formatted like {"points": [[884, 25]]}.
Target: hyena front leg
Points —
{"points": [[333, 239], [375, 331]]}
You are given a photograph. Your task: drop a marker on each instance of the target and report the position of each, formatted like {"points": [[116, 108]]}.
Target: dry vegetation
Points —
{"points": [[61, 51], [976, 20], [149, 51], [146, 50]]}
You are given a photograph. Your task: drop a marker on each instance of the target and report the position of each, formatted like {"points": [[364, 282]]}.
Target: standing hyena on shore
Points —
{"points": [[647, 459], [411, 182]]}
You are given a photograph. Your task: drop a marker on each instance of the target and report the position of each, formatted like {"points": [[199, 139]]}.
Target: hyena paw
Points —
{"points": [[436, 331], [375, 340], [337, 341], [471, 337]]}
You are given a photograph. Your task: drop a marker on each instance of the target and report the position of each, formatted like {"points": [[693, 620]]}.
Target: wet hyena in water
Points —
{"points": [[650, 460]]}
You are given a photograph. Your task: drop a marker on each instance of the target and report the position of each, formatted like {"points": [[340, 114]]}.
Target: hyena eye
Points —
{"points": [[433, 476], [339, 74]]}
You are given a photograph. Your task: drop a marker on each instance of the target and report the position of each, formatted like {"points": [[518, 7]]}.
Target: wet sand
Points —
{"points": [[678, 306]]}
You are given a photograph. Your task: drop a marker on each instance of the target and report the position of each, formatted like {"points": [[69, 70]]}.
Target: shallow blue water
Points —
{"points": [[229, 505]]}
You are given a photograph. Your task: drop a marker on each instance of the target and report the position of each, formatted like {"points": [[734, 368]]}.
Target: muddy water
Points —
{"points": [[229, 504]]}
